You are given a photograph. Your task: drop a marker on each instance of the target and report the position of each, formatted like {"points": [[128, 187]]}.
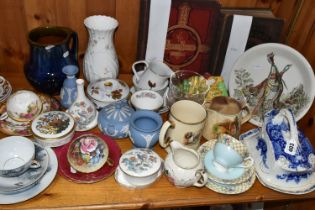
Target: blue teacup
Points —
{"points": [[144, 128]]}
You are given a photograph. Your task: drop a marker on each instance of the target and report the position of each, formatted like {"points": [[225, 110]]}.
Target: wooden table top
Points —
{"points": [[64, 194]]}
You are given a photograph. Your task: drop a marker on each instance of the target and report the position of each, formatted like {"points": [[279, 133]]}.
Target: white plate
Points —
{"points": [[272, 176], [38, 188], [255, 62]]}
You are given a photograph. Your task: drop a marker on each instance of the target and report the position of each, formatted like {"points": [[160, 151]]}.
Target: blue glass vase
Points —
{"points": [[69, 91], [51, 48]]}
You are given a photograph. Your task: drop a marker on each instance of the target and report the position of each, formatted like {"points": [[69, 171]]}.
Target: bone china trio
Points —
{"points": [[223, 160]]}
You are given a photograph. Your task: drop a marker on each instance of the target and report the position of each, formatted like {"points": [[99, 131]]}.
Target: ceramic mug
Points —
{"points": [[225, 115], [183, 167], [144, 128], [229, 152], [185, 124], [156, 74]]}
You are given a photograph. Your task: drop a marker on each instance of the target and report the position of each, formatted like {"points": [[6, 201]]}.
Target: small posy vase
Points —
{"points": [[183, 167], [113, 119], [68, 92], [100, 59], [82, 110]]}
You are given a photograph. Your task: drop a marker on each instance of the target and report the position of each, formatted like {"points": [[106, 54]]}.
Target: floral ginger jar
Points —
{"points": [[113, 119]]}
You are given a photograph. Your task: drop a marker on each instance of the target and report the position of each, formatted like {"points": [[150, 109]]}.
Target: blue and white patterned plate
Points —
{"points": [[270, 174]]}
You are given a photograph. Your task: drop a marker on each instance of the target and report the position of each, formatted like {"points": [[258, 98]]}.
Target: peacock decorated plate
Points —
{"points": [[270, 76]]}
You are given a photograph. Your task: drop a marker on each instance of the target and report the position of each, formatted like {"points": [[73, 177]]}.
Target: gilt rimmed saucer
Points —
{"points": [[205, 147], [231, 188], [107, 170], [28, 178], [270, 174], [39, 186]]}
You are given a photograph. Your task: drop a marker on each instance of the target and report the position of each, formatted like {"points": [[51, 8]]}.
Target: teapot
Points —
{"points": [[183, 167]]}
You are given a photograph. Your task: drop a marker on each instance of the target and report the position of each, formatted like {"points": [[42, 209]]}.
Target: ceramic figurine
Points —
{"points": [[68, 92], [100, 59], [83, 110], [113, 119], [49, 53]]}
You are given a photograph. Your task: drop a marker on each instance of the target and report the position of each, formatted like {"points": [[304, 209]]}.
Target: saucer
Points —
{"points": [[231, 188], [270, 174], [28, 178], [120, 179], [205, 147], [89, 126], [230, 174], [164, 108], [102, 173], [39, 186], [5, 89]]}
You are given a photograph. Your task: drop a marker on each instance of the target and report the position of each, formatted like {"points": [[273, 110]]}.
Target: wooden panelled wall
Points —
{"points": [[20, 16]]}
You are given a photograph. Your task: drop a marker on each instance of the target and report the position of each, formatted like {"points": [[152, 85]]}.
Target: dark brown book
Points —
{"points": [[191, 32], [265, 28]]}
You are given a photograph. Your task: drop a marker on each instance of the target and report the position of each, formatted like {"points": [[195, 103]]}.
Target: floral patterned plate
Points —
{"points": [[5, 89], [105, 171], [270, 75]]}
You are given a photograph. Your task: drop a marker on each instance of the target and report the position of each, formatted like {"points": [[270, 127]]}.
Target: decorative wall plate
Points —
{"points": [[295, 76], [5, 89], [42, 184], [104, 172]]}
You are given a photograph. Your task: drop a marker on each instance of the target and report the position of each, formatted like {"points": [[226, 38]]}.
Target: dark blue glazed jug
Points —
{"points": [[51, 48]]}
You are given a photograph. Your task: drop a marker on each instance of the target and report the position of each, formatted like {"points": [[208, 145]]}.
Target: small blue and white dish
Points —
{"points": [[291, 149]]}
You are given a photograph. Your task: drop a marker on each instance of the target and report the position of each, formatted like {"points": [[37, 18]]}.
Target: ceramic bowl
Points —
{"points": [[16, 155], [140, 166], [53, 128], [146, 100], [106, 91], [24, 105], [87, 153], [161, 90]]}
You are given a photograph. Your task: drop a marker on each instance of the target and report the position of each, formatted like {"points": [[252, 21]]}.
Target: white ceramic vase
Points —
{"points": [[100, 59]]}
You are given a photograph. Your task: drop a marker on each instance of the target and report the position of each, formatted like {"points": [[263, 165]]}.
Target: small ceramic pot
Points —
{"points": [[106, 91], [140, 166], [24, 105], [144, 128], [113, 119], [16, 156], [183, 167], [53, 129], [146, 100], [87, 153]]}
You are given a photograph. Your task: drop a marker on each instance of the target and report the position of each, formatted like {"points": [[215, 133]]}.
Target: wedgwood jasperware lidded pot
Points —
{"points": [[50, 51], [113, 119], [183, 167]]}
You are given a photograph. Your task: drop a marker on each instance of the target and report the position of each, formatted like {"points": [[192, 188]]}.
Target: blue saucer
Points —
{"points": [[230, 174]]}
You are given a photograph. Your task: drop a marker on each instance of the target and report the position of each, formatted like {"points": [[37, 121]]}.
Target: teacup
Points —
{"points": [[185, 124], [146, 100], [144, 128], [16, 156], [156, 74], [88, 153], [24, 105], [229, 152], [225, 115]]}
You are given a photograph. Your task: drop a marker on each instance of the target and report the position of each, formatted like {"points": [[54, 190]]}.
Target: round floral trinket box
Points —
{"points": [[53, 128]]}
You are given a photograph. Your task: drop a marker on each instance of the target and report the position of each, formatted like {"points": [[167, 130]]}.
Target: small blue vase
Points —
{"points": [[68, 92]]}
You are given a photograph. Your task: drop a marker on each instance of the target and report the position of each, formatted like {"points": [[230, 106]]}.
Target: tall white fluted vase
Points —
{"points": [[100, 59]]}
